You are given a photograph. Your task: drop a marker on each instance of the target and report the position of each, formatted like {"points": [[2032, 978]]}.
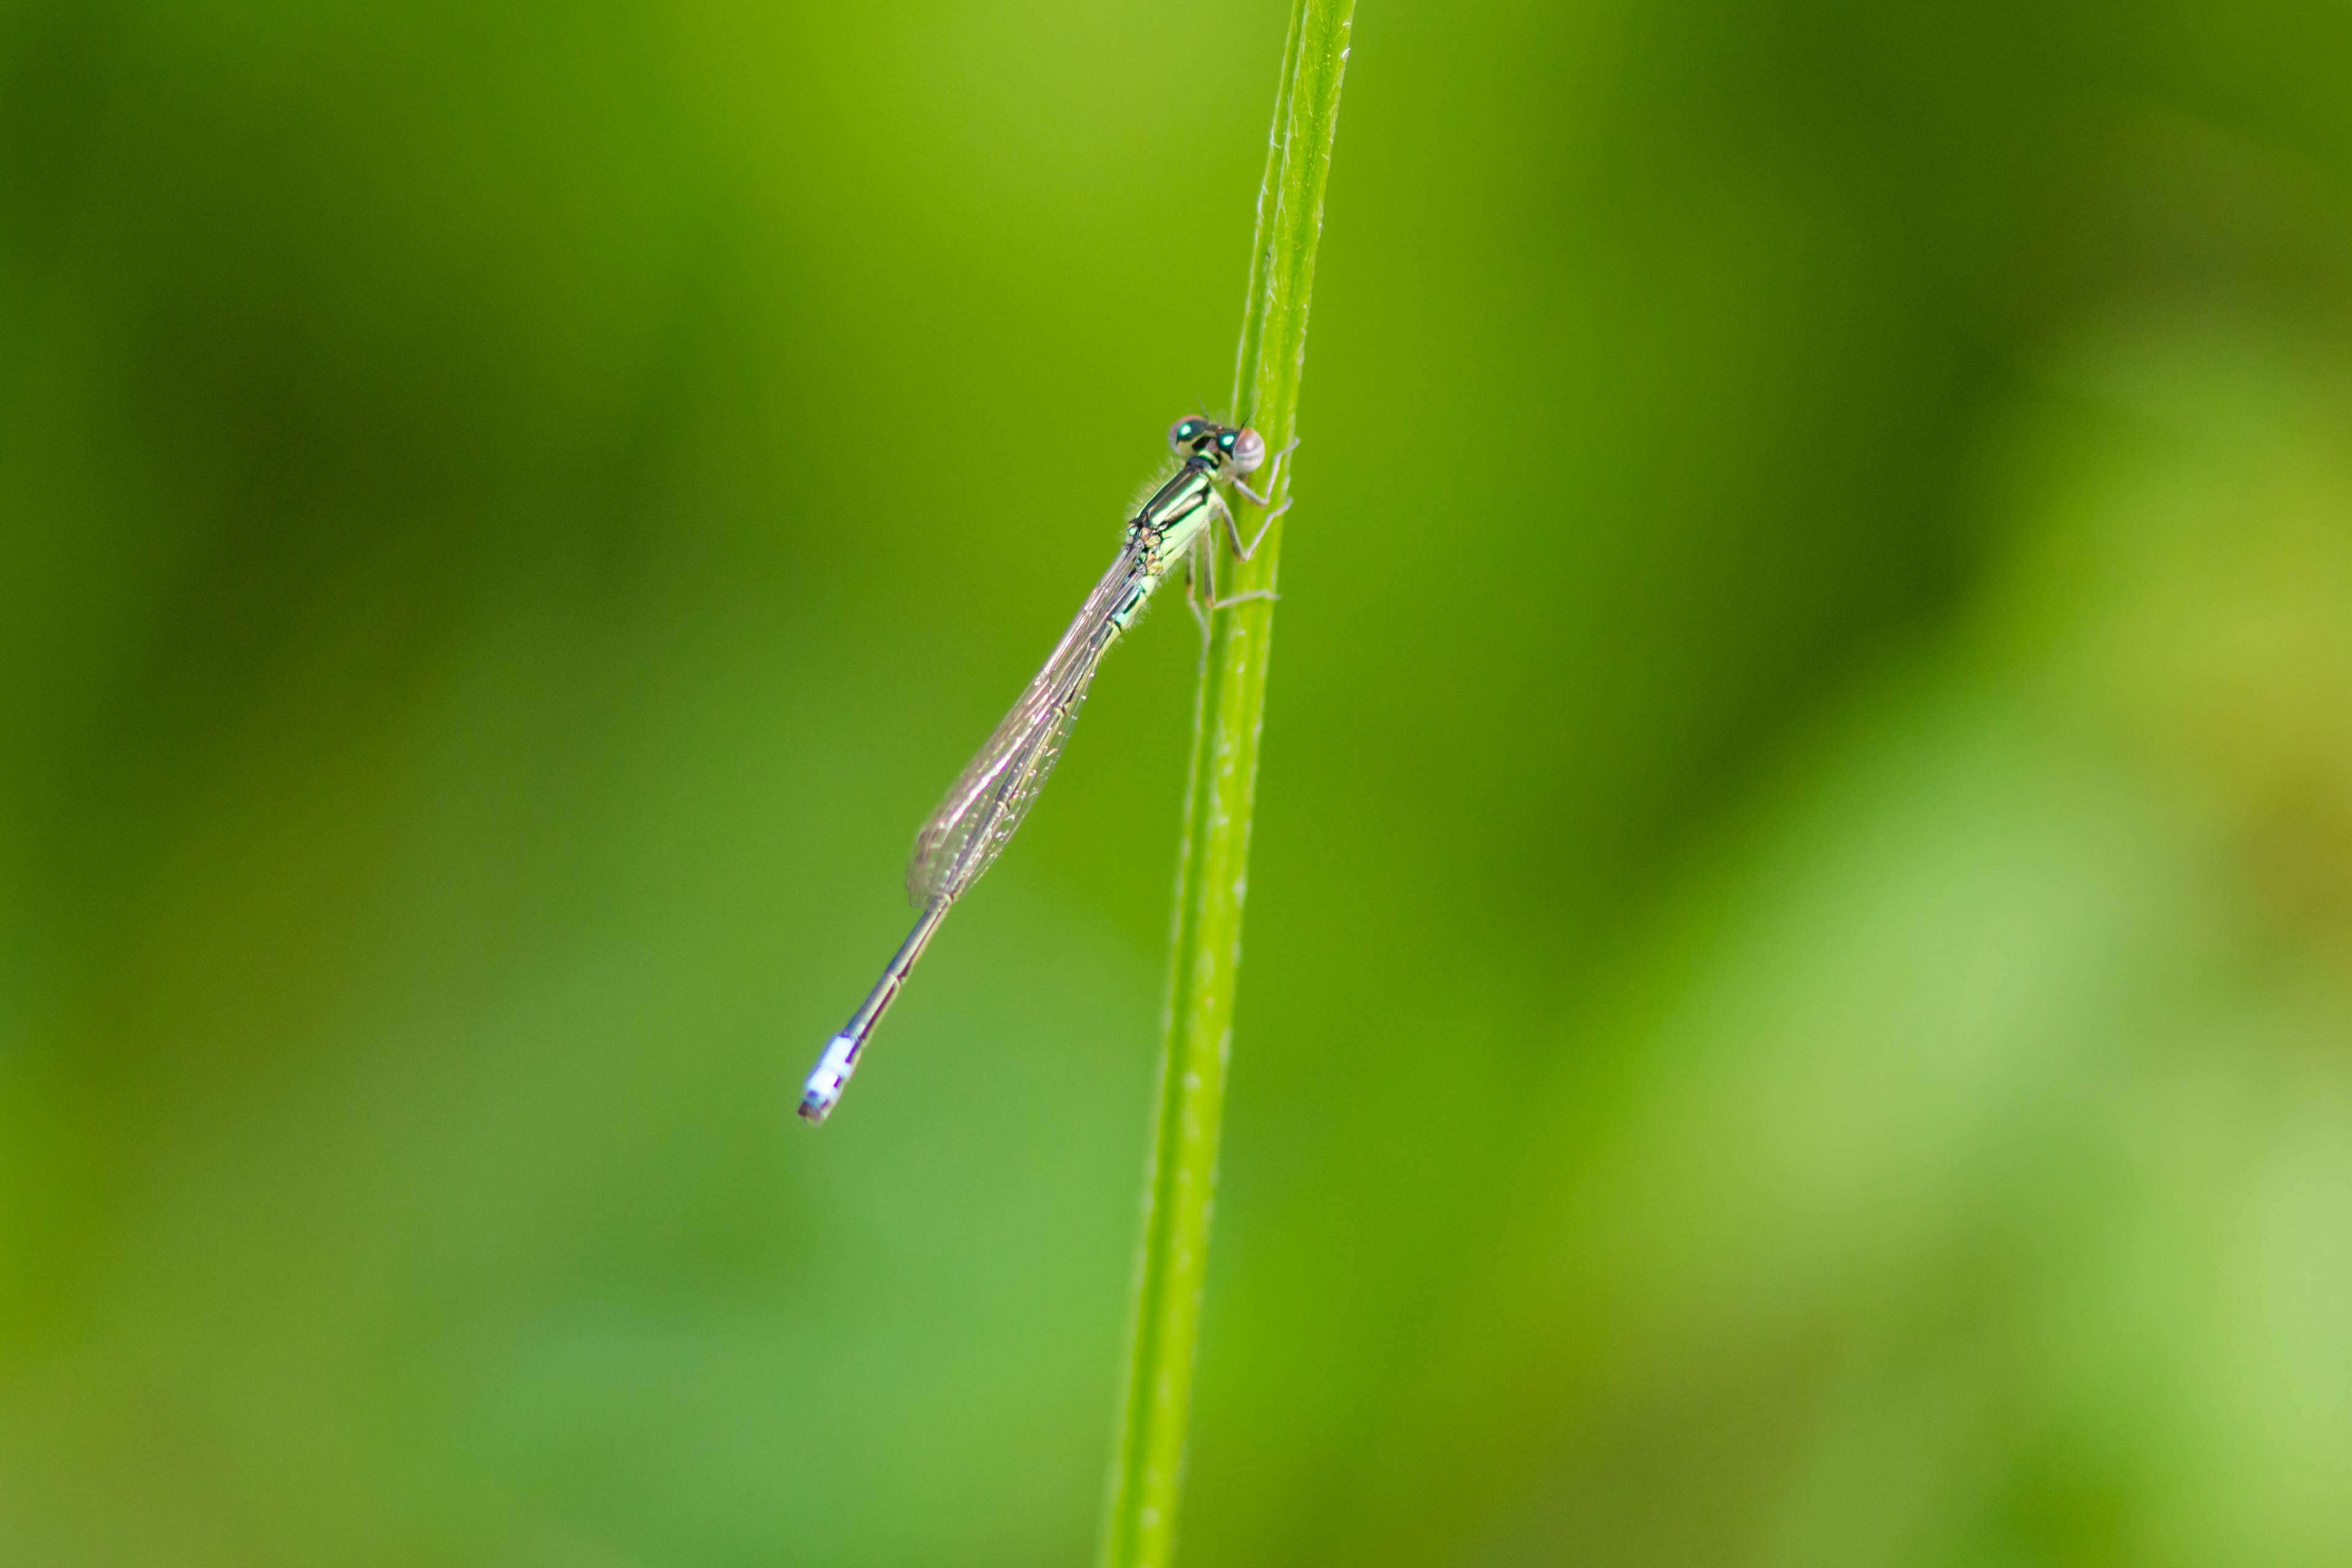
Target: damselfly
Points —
{"points": [[986, 804]]}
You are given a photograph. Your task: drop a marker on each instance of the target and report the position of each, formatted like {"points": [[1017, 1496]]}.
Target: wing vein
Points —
{"points": [[989, 799]]}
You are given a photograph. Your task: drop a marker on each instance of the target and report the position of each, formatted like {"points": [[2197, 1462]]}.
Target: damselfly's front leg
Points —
{"points": [[1232, 528]]}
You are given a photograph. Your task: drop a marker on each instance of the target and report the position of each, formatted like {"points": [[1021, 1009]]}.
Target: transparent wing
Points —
{"points": [[995, 791]]}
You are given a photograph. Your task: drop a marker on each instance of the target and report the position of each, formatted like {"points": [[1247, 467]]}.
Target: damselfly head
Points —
{"points": [[1237, 447]]}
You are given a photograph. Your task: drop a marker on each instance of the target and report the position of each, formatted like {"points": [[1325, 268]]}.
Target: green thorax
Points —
{"points": [[1164, 528]]}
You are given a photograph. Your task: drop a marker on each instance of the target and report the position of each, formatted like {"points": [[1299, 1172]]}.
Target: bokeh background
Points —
{"points": [[1800, 999]]}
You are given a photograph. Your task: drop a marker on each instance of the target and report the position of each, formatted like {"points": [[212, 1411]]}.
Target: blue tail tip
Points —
{"points": [[823, 1090]]}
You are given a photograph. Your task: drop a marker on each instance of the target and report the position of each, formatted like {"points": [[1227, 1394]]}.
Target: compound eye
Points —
{"points": [[1248, 448], [1183, 433]]}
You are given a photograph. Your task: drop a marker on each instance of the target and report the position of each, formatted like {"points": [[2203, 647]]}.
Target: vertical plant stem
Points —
{"points": [[1180, 1185]]}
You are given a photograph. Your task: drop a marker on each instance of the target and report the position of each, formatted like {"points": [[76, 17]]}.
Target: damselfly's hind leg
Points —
{"points": [[1203, 568]]}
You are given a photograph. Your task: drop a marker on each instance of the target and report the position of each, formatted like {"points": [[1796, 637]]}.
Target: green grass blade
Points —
{"points": [[1147, 1473]]}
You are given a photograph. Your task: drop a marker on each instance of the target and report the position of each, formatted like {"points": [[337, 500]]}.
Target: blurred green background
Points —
{"points": [[1799, 991]]}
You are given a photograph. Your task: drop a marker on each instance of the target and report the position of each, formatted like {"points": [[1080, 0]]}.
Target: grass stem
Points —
{"points": [[1180, 1184]]}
